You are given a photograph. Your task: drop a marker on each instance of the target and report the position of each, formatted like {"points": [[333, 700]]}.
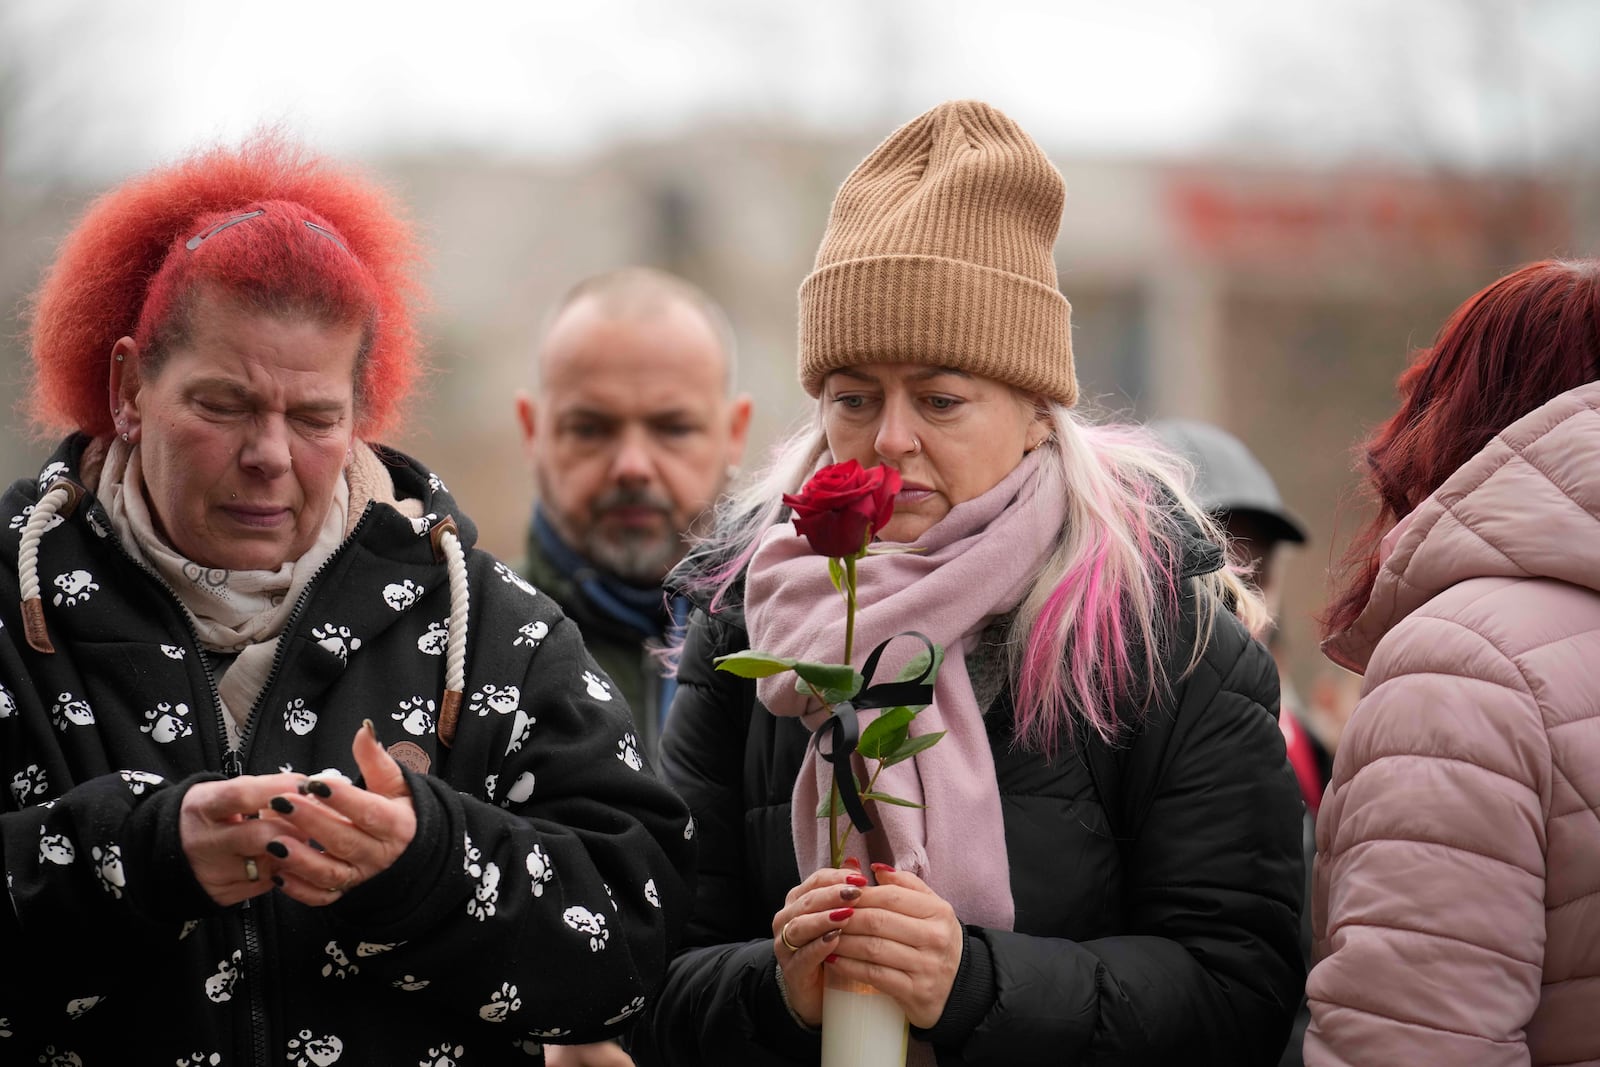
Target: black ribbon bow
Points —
{"points": [[843, 731]]}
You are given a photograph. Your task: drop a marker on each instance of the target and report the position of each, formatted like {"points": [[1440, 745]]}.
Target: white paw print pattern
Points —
{"points": [[174, 651], [55, 848], [20, 520], [5, 1027], [108, 866], [628, 1009], [68, 710], [76, 588], [557, 1031], [511, 577], [650, 894], [64, 1058], [587, 922], [424, 524], [165, 723], [502, 1003], [435, 485], [401, 595], [628, 752], [500, 699], [30, 782], [8, 703], [688, 829], [51, 472], [410, 983], [520, 790], [539, 869], [200, 1059], [374, 948], [446, 1055], [338, 965], [531, 634], [188, 928], [78, 1007], [219, 986], [306, 1050], [598, 687], [138, 781], [297, 718], [415, 715], [336, 639], [435, 640], [486, 894]]}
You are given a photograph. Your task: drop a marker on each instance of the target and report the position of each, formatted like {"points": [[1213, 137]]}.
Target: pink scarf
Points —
{"points": [[977, 563]]}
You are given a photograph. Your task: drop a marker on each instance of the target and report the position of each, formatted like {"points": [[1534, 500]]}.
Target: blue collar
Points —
{"points": [[641, 609]]}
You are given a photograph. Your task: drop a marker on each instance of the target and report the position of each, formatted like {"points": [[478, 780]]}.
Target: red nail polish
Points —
{"points": [[855, 879], [839, 915], [851, 861], [830, 959], [882, 867]]}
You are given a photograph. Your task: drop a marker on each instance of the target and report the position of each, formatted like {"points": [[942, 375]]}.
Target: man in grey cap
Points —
{"points": [[1236, 489]]}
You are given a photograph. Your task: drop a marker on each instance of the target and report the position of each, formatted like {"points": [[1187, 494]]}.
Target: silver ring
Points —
{"points": [[783, 935], [252, 873]]}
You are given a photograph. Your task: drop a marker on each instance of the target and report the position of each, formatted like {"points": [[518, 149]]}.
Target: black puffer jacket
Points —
{"points": [[540, 897], [1178, 944]]}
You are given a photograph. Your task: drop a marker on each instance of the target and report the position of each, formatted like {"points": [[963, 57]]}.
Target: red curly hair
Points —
{"points": [[1513, 346], [328, 245]]}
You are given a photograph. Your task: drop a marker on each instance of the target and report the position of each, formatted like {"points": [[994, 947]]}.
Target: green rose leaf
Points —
{"points": [[836, 573], [753, 664], [911, 747], [915, 667], [885, 798], [885, 734], [832, 682]]}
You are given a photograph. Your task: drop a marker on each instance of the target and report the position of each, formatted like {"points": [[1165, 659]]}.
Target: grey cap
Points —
{"points": [[1228, 478]]}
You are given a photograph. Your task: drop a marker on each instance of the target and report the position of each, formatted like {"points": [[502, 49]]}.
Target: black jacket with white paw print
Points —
{"points": [[539, 900]]}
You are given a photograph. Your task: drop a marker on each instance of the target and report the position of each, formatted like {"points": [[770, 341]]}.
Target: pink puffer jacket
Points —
{"points": [[1456, 905]]}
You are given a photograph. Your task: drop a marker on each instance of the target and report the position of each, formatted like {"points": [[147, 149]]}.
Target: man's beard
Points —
{"points": [[637, 556]]}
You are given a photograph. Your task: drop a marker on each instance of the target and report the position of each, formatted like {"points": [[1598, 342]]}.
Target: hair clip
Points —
{"points": [[200, 238], [329, 234]]}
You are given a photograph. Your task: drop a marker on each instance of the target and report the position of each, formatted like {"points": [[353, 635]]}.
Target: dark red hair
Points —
{"points": [[1524, 340], [329, 246]]}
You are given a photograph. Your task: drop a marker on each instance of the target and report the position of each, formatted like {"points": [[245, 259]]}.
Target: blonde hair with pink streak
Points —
{"points": [[1107, 594]]}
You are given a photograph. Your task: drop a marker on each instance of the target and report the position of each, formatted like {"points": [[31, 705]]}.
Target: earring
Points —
{"points": [[124, 438], [119, 357]]}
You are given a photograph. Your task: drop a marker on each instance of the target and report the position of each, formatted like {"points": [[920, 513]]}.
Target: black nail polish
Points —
{"points": [[281, 805], [319, 788], [277, 881], [303, 788], [278, 849]]}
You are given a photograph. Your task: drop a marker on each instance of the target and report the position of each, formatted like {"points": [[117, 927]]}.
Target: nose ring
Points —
{"points": [[916, 445]]}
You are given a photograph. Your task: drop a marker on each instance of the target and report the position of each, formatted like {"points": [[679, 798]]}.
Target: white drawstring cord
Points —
{"points": [[59, 499], [447, 543]]}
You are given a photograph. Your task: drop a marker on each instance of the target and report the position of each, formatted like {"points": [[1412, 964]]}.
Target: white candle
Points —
{"points": [[861, 1027]]}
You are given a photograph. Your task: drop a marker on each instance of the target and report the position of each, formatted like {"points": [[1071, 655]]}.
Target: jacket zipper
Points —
{"points": [[233, 765]]}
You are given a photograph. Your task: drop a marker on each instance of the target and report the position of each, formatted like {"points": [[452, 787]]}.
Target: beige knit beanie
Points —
{"points": [[940, 250]]}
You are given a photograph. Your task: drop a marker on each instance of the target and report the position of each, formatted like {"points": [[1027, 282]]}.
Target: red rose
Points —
{"points": [[842, 506]]}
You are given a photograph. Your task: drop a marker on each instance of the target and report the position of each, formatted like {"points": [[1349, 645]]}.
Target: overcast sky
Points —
{"points": [[97, 88]]}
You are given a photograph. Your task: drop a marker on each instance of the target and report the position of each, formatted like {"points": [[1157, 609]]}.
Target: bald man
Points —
{"points": [[631, 431]]}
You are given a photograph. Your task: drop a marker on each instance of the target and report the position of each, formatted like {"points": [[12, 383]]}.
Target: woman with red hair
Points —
{"points": [[293, 772], [1458, 847]]}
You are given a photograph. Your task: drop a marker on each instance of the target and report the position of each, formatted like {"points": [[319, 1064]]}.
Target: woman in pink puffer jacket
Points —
{"points": [[1456, 905]]}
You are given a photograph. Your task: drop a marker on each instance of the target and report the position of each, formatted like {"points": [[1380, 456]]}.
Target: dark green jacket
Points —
{"points": [[624, 653]]}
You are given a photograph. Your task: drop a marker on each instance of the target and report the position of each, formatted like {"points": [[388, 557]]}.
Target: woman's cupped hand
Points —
{"points": [[899, 936], [313, 839]]}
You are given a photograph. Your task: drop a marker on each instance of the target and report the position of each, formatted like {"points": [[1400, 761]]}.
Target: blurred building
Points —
{"points": [[1278, 303]]}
